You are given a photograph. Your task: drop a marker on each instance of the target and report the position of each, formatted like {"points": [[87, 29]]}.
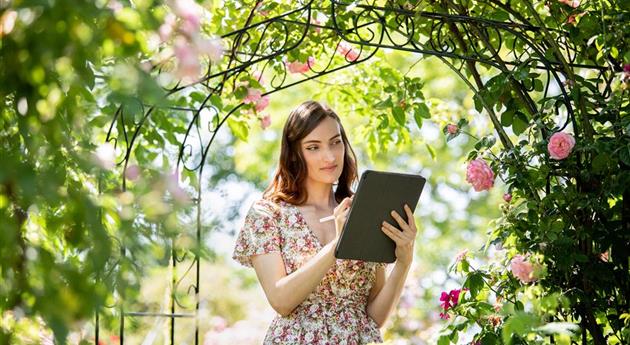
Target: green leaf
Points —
{"points": [[399, 115], [475, 283], [431, 151], [422, 110], [443, 340], [489, 339], [519, 324], [418, 119], [507, 118], [624, 154], [385, 104], [239, 128], [519, 123]]}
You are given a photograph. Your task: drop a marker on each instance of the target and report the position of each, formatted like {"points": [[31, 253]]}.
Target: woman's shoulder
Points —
{"points": [[265, 206]]}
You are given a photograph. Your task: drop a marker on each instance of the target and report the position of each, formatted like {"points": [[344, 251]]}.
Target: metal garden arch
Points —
{"points": [[462, 40]]}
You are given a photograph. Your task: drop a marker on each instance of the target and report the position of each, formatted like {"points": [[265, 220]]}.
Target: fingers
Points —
{"points": [[401, 222], [393, 233], [343, 205], [410, 219]]}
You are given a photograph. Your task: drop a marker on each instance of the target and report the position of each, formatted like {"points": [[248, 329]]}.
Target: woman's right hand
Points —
{"points": [[341, 213]]}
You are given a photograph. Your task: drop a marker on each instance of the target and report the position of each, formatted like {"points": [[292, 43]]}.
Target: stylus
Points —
{"points": [[325, 219]]}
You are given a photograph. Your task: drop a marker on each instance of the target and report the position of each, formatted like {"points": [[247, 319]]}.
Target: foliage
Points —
{"points": [[69, 210]]}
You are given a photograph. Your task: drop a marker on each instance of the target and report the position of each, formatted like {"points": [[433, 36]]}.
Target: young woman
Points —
{"points": [[319, 299]]}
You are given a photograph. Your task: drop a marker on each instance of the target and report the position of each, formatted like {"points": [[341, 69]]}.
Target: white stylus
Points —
{"points": [[325, 219]]}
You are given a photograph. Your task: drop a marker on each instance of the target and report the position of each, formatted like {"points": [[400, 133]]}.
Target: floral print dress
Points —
{"points": [[336, 311]]}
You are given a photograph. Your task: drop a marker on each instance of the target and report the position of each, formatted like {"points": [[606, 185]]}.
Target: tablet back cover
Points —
{"points": [[377, 195]]}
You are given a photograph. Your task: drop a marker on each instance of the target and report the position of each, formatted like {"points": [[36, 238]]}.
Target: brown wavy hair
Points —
{"points": [[288, 182]]}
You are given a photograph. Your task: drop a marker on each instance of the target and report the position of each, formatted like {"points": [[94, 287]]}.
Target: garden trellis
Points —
{"points": [[532, 62]]}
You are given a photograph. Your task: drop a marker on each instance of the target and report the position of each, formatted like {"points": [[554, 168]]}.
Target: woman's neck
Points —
{"points": [[320, 195]]}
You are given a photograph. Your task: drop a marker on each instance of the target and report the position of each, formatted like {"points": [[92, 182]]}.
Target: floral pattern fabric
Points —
{"points": [[336, 311]]}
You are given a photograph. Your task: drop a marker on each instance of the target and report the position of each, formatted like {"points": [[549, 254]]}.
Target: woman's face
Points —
{"points": [[323, 151]]}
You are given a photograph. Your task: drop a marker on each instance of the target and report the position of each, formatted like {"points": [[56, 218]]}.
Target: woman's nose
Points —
{"points": [[329, 156]]}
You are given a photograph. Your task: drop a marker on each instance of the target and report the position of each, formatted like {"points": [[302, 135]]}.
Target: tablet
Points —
{"points": [[377, 195]]}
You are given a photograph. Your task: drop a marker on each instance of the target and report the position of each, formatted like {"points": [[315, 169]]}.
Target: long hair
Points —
{"points": [[288, 182]]}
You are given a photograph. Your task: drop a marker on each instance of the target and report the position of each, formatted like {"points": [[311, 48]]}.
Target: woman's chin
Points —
{"points": [[328, 179]]}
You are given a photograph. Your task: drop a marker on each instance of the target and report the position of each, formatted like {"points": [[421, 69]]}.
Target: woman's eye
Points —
{"points": [[336, 142], [312, 148]]}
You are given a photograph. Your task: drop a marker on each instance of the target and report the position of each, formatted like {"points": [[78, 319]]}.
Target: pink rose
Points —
{"points": [[262, 103], [173, 187], [522, 269], [299, 67], [265, 121], [315, 22], [213, 48], [133, 172], [347, 51], [507, 197], [572, 3], [452, 129], [479, 175], [187, 59], [626, 72], [461, 255], [253, 96], [189, 11], [560, 145], [167, 28]]}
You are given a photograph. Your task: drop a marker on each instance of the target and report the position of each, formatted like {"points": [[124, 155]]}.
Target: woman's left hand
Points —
{"points": [[404, 239]]}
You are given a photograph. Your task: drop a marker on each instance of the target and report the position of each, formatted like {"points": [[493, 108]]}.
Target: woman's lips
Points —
{"points": [[331, 168]]}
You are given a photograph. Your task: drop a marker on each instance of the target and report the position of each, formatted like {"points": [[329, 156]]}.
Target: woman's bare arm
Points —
{"points": [[385, 294], [285, 292]]}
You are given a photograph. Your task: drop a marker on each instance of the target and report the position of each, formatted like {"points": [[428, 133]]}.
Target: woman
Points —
{"points": [[319, 299]]}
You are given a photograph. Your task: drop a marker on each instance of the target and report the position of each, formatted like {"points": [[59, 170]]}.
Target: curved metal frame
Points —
{"points": [[451, 36]]}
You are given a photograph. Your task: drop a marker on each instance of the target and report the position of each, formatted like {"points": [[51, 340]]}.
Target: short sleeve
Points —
{"points": [[260, 233]]}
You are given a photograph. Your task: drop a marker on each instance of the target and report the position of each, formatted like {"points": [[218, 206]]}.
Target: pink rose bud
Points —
{"points": [[507, 197], [133, 172], [187, 59], [253, 95], [522, 269], [262, 103], [347, 51], [452, 129], [461, 255], [299, 67], [560, 145], [265, 121], [479, 175]]}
